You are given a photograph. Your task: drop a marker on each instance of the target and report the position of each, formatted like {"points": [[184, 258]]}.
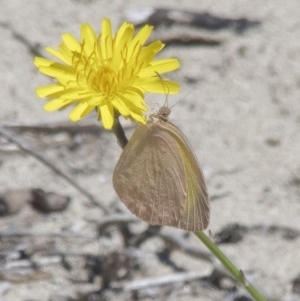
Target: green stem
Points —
{"points": [[119, 133], [236, 273]]}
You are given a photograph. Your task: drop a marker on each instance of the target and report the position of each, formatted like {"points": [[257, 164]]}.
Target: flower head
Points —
{"points": [[107, 73]]}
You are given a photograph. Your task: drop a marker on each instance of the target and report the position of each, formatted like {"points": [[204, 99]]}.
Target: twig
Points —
{"points": [[90, 128], [166, 16], [45, 235], [47, 163], [113, 219], [163, 280], [48, 258], [235, 232], [43, 261], [32, 48], [191, 40]]}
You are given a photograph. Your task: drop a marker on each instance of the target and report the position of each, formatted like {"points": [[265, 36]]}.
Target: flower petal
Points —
{"points": [[142, 36], [88, 38], [59, 55], [45, 91], [153, 48], [135, 45], [120, 50], [157, 85], [106, 40], [66, 53], [72, 93], [71, 43], [59, 71], [57, 104], [160, 67], [123, 35], [121, 106], [81, 110], [107, 115], [135, 97], [42, 62], [138, 117], [131, 104]]}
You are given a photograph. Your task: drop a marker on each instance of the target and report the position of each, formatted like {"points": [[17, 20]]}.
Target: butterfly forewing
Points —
{"points": [[158, 178]]}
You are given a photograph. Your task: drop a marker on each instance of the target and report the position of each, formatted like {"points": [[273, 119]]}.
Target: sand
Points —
{"points": [[238, 106]]}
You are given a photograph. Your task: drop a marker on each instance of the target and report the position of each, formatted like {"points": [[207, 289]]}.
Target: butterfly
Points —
{"points": [[158, 176]]}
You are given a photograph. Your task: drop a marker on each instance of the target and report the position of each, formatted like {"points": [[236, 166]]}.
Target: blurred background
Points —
{"points": [[64, 234]]}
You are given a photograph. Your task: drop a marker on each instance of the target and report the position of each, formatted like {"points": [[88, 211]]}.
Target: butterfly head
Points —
{"points": [[163, 113]]}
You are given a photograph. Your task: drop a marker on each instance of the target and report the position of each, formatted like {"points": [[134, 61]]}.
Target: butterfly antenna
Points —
{"points": [[167, 92]]}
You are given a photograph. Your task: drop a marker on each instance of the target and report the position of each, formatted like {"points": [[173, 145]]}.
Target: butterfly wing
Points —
{"points": [[159, 180], [196, 211]]}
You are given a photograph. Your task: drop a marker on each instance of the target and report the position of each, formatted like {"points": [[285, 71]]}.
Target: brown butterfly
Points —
{"points": [[159, 179]]}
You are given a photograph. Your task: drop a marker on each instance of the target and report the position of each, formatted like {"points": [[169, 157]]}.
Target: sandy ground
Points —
{"points": [[238, 106]]}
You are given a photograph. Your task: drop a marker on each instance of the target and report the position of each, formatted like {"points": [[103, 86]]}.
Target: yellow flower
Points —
{"points": [[107, 73]]}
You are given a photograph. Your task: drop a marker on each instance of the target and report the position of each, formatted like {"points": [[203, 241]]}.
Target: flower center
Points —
{"points": [[105, 80], [100, 77]]}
